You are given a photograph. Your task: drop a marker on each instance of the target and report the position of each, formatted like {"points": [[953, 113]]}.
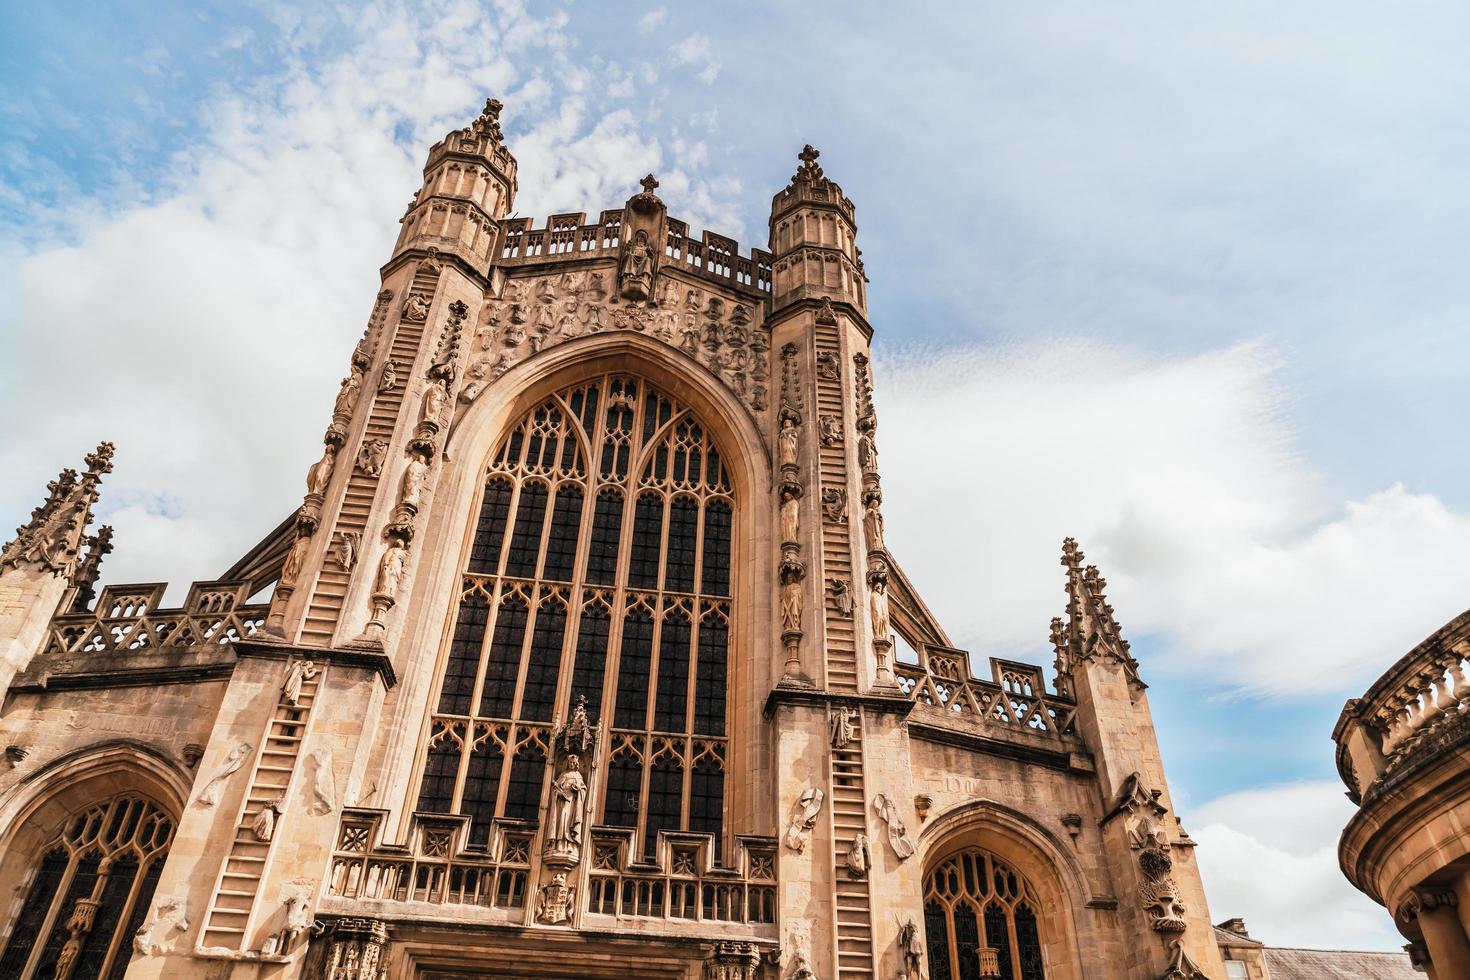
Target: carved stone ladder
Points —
{"points": [[231, 910], [841, 643], [849, 818]]}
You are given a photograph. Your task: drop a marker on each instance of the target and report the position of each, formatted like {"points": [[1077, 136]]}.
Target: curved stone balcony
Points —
{"points": [[1403, 749]]}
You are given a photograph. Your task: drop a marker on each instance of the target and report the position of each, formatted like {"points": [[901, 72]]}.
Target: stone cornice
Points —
{"points": [[368, 660], [895, 703]]}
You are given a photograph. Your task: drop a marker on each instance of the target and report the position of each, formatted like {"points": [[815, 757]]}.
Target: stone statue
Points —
{"points": [[390, 570], [841, 590], [323, 792], [371, 455], [911, 945], [670, 294], [298, 920], [348, 544], [788, 439], [873, 525], [831, 429], [834, 505], [435, 395], [568, 804], [164, 923], [320, 473], [415, 478], [264, 826], [295, 559], [868, 453], [388, 380], [804, 817], [347, 396], [416, 307], [791, 606], [859, 857], [898, 834], [299, 671], [878, 608], [555, 905], [637, 270], [843, 729], [790, 512], [210, 795]]}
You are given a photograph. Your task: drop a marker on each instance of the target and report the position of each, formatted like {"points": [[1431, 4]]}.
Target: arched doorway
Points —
{"points": [[980, 920]]}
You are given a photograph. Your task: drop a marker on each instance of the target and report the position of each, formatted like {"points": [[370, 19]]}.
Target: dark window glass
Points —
{"points": [[602, 551], [436, 794], [504, 662], [936, 932], [624, 789], [709, 689], [98, 939], [683, 539], [523, 795], [566, 526], [83, 879], [967, 940], [671, 705], [665, 800], [27, 926], [716, 574], [464, 655], [544, 665], [591, 662], [633, 667], [998, 936], [525, 541], [707, 799], [490, 529], [141, 905], [481, 785], [1028, 944], [648, 522]]}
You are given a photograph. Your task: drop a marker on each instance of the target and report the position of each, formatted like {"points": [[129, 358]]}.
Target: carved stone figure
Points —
{"points": [[390, 570], [843, 729], [898, 834], [841, 590], [669, 296], [834, 505], [636, 275], [1159, 893], [347, 396], [348, 545], [568, 806], [162, 927], [295, 559], [415, 479], [298, 920], [791, 606], [911, 946], [416, 307], [299, 672], [873, 525], [320, 472], [209, 796], [370, 456], [388, 380], [800, 968], [804, 817], [859, 857], [790, 512], [827, 366], [868, 453], [323, 792], [555, 905], [830, 427], [264, 825], [435, 395], [878, 608], [789, 439]]}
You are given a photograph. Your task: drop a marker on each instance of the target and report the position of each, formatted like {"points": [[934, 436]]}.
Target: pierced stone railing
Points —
{"points": [[1408, 711], [685, 884], [568, 236], [129, 619], [1015, 698]]}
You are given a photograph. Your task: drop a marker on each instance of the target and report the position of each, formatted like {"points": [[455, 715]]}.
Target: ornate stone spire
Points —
{"points": [[53, 537], [1090, 630], [813, 241], [488, 125], [809, 171]]}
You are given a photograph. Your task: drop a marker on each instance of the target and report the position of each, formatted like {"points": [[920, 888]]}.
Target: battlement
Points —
{"points": [[567, 237], [130, 619], [1013, 700]]}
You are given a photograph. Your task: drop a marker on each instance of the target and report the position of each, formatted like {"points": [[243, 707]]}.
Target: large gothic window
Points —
{"points": [[599, 570], [980, 920], [90, 894]]}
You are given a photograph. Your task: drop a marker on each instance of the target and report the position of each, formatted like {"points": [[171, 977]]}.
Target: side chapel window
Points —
{"points": [[90, 894], [976, 908], [599, 569]]}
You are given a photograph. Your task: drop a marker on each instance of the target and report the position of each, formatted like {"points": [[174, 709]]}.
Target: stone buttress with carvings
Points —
{"points": [[585, 654]]}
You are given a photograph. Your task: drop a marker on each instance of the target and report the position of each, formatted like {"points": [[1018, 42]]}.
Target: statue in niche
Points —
{"points": [[416, 308], [788, 439], [298, 673], [568, 805], [264, 825], [830, 427], [415, 479], [319, 474], [859, 857], [432, 409], [878, 607], [843, 729], [868, 453], [210, 795], [323, 792], [636, 275], [898, 834], [790, 511], [804, 817], [872, 525], [555, 906], [295, 559], [841, 590], [371, 455], [388, 380], [791, 606], [347, 395], [390, 570], [689, 342], [834, 505], [911, 946]]}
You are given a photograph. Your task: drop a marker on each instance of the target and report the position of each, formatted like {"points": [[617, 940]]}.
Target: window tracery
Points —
{"points": [[599, 569], [90, 893], [979, 917]]}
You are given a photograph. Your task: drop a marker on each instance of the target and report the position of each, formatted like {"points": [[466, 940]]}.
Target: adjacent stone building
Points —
{"points": [[581, 658]]}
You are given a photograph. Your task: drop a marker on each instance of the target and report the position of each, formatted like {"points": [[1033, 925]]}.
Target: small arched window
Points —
{"points": [[980, 920], [599, 569], [90, 893]]}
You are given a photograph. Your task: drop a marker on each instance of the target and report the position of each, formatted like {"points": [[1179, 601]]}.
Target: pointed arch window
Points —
{"points": [[90, 893], [980, 918], [599, 568]]}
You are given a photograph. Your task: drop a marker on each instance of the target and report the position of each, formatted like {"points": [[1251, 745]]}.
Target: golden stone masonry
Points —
{"points": [[585, 655]]}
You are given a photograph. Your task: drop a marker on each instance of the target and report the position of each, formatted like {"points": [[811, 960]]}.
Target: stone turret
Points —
{"points": [[814, 242], [45, 561]]}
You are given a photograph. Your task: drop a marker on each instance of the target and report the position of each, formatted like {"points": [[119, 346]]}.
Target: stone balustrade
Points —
{"points": [[1014, 699], [130, 619]]}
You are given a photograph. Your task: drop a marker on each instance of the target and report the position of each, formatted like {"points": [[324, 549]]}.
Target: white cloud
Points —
{"points": [[1269, 855], [1179, 478], [697, 51], [653, 20]]}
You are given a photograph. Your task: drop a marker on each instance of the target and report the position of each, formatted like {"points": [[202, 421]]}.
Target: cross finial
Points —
{"points": [[492, 108], [649, 183], [808, 154], [809, 170]]}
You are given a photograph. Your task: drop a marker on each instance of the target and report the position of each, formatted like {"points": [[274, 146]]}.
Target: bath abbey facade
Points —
{"points": [[583, 655]]}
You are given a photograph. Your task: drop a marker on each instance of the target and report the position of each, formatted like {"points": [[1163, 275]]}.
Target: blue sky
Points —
{"points": [[1183, 281]]}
